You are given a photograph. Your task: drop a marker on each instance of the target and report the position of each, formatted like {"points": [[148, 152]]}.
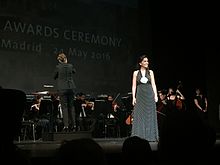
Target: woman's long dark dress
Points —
{"points": [[144, 115]]}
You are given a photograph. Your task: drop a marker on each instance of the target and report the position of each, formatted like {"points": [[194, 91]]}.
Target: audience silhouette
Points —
{"points": [[185, 138], [11, 121], [136, 150], [82, 150]]}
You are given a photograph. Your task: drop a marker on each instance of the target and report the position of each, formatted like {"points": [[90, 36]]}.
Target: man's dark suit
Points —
{"points": [[66, 88]]}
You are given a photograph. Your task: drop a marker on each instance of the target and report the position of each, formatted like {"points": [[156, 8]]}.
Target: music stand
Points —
{"points": [[46, 107], [46, 112], [102, 107], [127, 101]]}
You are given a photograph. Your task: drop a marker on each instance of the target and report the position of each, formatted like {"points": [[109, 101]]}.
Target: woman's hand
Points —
{"points": [[134, 101], [156, 98]]}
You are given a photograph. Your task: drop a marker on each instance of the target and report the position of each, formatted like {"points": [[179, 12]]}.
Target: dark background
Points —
{"points": [[105, 69], [185, 38], [178, 36]]}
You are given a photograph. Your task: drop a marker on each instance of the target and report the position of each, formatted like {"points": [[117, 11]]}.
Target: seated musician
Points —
{"points": [[114, 107], [162, 101], [161, 108], [57, 113], [84, 112], [175, 99], [41, 120], [35, 107], [113, 116]]}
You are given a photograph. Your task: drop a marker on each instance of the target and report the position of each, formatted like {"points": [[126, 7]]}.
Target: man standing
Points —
{"points": [[66, 88]]}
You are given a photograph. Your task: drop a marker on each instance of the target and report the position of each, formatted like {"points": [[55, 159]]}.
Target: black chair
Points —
{"points": [[27, 130], [108, 125]]}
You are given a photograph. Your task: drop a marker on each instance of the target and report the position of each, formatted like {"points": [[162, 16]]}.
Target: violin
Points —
{"points": [[115, 106], [179, 103], [114, 103], [89, 104]]}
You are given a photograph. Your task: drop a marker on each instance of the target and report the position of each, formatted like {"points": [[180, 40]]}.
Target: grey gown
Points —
{"points": [[144, 114]]}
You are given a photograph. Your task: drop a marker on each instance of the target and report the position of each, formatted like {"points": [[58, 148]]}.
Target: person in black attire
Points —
{"points": [[112, 118], [64, 74], [40, 115], [83, 150], [137, 150], [79, 104], [175, 100], [85, 119], [161, 108], [11, 124], [201, 104]]}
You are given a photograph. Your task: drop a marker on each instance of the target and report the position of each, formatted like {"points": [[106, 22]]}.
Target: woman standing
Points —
{"points": [[144, 98], [201, 104]]}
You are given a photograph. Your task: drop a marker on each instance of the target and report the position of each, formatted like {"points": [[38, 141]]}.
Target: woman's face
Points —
{"points": [[197, 91], [144, 63], [170, 91]]}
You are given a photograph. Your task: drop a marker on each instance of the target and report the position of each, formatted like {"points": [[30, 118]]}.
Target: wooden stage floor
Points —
{"points": [[42, 150]]}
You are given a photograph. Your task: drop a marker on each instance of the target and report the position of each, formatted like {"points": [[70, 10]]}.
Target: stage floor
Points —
{"points": [[42, 151], [48, 145], [40, 148]]}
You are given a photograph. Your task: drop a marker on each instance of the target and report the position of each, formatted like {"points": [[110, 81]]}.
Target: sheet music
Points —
{"points": [[82, 114]]}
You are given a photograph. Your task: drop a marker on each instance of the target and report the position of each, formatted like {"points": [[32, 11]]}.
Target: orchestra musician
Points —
{"points": [[41, 119], [114, 116], [161, 108], [84, 112], [175, 99], [35, 107], [114, 106]]}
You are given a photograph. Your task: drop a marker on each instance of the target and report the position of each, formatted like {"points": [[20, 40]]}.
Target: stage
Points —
{"points": [[41, 148], [42, 151]]}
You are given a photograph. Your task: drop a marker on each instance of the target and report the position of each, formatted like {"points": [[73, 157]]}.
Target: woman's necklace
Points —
{"points": [[144, 79]]}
